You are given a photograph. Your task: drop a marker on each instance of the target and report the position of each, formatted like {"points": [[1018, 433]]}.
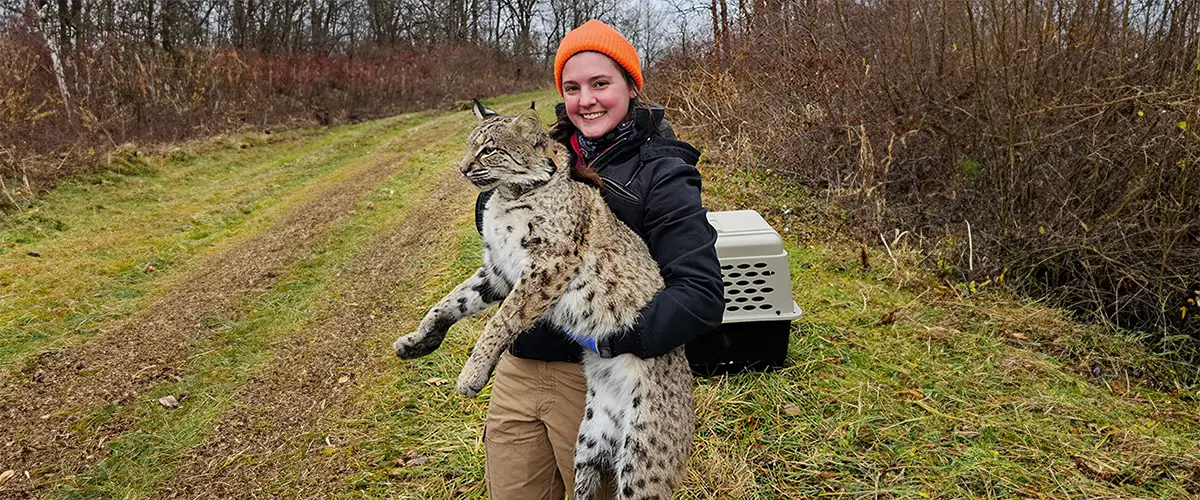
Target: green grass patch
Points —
{"points": [[142, 459], [419, 414], [105, 242], [901, 386], [907, 405], [897, 386]]}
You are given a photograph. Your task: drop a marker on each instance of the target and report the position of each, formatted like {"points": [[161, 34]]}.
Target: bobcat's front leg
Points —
{"points": [[475, 294], [537, 291]]}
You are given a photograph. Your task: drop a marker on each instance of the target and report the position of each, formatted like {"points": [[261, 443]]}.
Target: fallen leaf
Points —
{"points": [[411, 459], [966, 433], [1093, 467], [169, 402], [8, 474], [437, 381], [33, 254], [150, 269], [792, 410], [1018, 336], [343, 379], [39, 376], [889, 318], [911, 392]]}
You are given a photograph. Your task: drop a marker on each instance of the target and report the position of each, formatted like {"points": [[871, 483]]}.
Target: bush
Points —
{"points": [[121, 92], [1059, 131]]}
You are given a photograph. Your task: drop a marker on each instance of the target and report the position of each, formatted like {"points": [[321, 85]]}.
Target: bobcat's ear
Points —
{"points": [[533, 105], [480, 111]]}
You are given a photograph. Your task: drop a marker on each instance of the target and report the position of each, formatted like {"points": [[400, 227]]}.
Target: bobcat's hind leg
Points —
{"points": [[475, 294]]}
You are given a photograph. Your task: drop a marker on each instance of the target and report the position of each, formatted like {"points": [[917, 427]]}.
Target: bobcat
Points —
{"points": [[553, 250]]}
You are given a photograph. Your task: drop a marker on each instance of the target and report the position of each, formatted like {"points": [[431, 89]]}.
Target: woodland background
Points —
{"points": [[1049, 145]]}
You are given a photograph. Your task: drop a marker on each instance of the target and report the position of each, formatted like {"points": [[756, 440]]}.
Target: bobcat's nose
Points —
{"points": [[476, 174], [468, 167]]}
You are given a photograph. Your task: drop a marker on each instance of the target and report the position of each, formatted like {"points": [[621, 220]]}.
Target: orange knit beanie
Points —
{"points": [[599, 37]]}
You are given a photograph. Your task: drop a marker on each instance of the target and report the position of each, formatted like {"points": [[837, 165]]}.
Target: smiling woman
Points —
{"points": [[649, 181]]}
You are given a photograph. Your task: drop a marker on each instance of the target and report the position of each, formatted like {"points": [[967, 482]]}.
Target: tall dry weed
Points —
{"points": [[1063, 134], [120, 91]]}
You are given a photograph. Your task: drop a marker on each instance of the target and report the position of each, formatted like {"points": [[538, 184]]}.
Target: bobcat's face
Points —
{"points": [[505, 150]]}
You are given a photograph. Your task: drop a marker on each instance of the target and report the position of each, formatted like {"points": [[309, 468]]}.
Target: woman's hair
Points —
{"points": [[563, 129]]}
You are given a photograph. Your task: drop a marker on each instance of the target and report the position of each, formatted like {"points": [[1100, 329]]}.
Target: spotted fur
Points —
{"points": [[554, 251]]}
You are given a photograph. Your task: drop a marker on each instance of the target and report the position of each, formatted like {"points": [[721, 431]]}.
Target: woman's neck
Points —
{"points": [[592, 148]]}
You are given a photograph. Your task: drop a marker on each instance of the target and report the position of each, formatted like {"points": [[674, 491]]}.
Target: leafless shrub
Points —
{"points": [[1058, 130], [123, 91]]}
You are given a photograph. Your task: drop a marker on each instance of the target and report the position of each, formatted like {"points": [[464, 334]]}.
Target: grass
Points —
{"points": [[901, 386], [108, 241], [143, 458], [418, 414], [897, 384]]}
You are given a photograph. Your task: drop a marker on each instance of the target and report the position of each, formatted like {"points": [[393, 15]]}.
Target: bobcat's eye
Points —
{"points": [[486, 150]]}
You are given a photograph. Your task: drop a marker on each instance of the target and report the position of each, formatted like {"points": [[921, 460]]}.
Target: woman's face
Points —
{"points": [[596, 93]]}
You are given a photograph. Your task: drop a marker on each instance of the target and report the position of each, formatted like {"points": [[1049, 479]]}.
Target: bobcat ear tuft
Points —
{"points": [[533, 105], [480, 111], [528, 122]]}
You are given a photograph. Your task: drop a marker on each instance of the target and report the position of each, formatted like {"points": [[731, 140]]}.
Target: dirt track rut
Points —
{"points": [[289, 409], [42, 407]]}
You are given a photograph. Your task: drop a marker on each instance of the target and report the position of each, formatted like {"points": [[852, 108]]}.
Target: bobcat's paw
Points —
{"points": [[410, 346], [471, 382]]}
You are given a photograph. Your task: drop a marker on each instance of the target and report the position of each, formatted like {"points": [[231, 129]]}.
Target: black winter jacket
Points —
{"points": [[652, 185]]}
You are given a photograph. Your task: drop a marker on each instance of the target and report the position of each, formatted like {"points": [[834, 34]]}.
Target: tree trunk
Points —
{"points": [[716, 28], [55, 60]]}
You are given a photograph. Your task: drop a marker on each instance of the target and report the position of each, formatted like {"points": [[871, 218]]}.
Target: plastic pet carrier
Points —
{"points": [[758, 299]]}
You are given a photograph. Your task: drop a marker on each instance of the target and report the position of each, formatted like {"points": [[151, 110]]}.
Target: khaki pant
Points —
{"points": [[532, 425]]}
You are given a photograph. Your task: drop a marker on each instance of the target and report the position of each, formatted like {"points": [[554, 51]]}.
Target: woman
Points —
{"points": [[648, 179]]}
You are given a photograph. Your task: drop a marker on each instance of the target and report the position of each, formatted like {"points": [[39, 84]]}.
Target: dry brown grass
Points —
{"points": [[121, 91], [1052, 143]]}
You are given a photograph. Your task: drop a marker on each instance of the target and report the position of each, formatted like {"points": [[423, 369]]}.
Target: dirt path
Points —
{"points": [[42, 408], [285, 411]]}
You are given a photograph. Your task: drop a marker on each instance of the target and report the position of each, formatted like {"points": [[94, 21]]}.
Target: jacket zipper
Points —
{"points": [[621, 191]]}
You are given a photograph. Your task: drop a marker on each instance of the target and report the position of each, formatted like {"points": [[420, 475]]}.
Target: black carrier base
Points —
{"points": [[739, 347]]}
